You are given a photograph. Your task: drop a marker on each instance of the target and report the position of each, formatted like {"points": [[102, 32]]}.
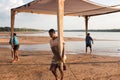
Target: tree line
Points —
{"points": [[104, 30], [8, 29]]}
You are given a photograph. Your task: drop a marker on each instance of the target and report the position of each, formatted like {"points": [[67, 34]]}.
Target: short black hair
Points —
{"points": [[88, 33], [52, 30], [14, 34]]}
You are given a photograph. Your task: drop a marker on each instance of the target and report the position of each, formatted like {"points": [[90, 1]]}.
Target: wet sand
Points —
{"points": [[36, 39], [34, 65]]}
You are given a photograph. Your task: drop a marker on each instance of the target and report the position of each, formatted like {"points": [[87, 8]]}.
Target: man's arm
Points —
{"points": [[92, 40]]}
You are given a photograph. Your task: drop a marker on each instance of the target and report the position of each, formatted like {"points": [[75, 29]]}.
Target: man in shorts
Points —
{"points": [[15, 47], [88, 42], [57, 60]]}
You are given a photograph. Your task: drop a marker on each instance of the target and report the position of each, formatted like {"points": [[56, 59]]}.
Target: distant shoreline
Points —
{"points": [[104, 30], [8, 29]]}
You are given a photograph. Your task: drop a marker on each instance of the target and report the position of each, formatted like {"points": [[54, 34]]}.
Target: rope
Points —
{"points": [[73, 73]]}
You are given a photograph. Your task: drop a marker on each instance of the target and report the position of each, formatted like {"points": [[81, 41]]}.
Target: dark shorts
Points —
{"points": [[53, 67], [16, 47], [88, 45]]}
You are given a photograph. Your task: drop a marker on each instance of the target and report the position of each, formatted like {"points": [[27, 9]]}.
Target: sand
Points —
{"points": [[36, 39], [34, 65]]}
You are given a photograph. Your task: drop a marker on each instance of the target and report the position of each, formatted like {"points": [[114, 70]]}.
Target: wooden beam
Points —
{"points": [[86, 27], [86, 24], [60, 16], [12, 30], [13, 12], [12, 22]]}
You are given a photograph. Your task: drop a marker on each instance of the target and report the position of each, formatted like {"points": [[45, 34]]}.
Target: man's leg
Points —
{"points": [[12, 53], [61, 71], [86, 50], [53, 68], [55, 74], [90, 49], [16, 55]]}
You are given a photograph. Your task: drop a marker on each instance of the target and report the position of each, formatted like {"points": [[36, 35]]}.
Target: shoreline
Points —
{"points": [[44, 39], [36, 39]]}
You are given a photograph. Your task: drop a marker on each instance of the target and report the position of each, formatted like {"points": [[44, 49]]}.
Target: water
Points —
{"points": [[110, 46], [4, 37], [96, 35]]}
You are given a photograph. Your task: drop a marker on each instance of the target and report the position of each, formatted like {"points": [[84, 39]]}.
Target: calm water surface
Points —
{"points": [[108, 48]]}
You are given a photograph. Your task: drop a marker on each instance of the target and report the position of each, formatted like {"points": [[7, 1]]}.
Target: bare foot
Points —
{"points": [[14, 61], [57, 79], [17, 59]]}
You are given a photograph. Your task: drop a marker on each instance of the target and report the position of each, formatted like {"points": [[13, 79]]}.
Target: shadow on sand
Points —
{"points": [[98, 62], [70, 63]]}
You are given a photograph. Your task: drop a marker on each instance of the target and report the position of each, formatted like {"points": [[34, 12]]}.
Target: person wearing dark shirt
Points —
{"points": [[89, 40]]}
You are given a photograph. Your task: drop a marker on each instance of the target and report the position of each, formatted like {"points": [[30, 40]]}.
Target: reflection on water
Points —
{"points": [[4, 36], [96, 35], [111, 48], [43, 47]]}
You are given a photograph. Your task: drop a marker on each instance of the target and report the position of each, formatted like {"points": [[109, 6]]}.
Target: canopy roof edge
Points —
{"points": [[71, 8]]}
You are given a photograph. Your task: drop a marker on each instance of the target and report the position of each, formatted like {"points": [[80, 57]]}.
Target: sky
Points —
{"points": [[28, 20]]}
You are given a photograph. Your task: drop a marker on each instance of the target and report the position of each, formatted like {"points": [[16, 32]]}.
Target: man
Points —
{"points": [[15, 47], [88, 42], [57, 60]]}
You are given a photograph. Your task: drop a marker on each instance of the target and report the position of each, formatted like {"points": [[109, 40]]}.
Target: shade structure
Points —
{"points": [[62, 8], [71, 8]]}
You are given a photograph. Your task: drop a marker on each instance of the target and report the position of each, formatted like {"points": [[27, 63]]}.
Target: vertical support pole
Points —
{"points": [[86, 28], [12, 22], [12, 30], [86, 24], [60, 16]]}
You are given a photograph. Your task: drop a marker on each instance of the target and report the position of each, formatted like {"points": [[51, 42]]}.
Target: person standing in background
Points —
{"points": [[89, 40], [15, 47]]}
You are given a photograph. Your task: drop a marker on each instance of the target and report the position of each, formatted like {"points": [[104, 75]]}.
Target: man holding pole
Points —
{"points": [[58, 61], [15, 47]]}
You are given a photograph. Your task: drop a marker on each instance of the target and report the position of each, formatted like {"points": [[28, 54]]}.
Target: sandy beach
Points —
{"points": [[34, 65], [33, 39], [36, 40]]}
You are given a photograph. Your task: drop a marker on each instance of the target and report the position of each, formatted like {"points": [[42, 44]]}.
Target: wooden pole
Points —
{"points": [[86, 24], [12, 22], [12, 31], [60, 16], [86, 27]]}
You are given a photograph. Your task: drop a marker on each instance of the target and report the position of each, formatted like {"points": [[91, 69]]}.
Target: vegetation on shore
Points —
{"points": [[99, 30], [8, 29]]}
